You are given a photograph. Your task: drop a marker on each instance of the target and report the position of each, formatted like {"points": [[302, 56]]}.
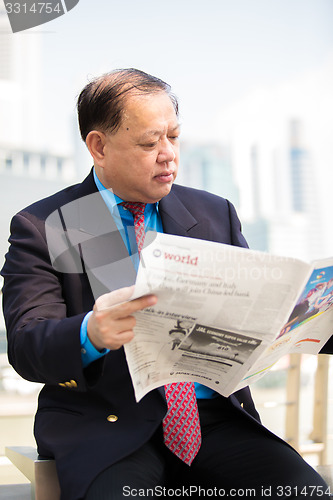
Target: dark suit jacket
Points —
{"points": [[45, 299]]}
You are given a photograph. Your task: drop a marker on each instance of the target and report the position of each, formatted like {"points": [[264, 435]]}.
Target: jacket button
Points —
{"points": [[112, 418], [74, 383]]}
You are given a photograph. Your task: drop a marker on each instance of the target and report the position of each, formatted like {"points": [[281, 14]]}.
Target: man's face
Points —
{"points": [[141, 158]]}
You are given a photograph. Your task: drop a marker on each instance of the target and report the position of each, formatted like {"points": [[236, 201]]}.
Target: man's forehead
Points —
{"points": [[149, 115], [139, 104]]}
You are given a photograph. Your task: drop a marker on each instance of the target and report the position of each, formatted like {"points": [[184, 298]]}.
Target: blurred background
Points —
{"points": [[254, 81]]}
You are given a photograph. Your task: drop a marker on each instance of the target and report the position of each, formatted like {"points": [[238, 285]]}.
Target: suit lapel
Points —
{"points": [[176, 219], [102, 249]]}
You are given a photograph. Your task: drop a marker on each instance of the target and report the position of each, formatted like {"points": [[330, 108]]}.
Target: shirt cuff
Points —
{"points": [[88, 352]]}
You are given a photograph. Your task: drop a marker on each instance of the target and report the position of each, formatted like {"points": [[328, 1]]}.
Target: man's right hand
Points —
{"points": [[111, 324]]}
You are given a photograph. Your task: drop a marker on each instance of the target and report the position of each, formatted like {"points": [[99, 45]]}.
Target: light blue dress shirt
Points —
{"points": [[124, 221]]}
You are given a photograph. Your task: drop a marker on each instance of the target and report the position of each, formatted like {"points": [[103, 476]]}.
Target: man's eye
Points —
{"points": [[174, 137], [149, 145]]}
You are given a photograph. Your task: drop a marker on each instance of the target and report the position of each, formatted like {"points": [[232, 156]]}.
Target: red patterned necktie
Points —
{"points": [[137, 209], [181, 424]]}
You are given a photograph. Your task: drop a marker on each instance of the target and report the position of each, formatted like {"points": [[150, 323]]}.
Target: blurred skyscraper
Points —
{"points": [[293, 226], [256, 230], [28, 170], [282, 159], [208, 167]]}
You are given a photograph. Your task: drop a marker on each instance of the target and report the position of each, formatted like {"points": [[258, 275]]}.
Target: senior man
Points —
{"points": [[69, 249]]}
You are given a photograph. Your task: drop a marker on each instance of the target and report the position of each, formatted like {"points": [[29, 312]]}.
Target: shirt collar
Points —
{"points": [[112, 200]]}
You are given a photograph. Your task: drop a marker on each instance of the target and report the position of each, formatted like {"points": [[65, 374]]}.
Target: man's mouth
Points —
{"points": [[164, 177]]}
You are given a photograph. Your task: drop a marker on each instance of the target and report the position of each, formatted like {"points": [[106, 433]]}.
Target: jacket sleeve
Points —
{"points": [[43, 335], [237, 237]]}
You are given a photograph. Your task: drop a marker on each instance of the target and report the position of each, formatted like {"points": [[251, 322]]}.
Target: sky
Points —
{"points": [[212, 52], [230, 63]]}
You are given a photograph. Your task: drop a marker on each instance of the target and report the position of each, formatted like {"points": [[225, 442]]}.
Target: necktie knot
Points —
{"points": [[137, 209]]}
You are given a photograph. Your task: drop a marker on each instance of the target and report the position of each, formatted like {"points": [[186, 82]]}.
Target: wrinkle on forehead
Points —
{"points": [[159, 132]]}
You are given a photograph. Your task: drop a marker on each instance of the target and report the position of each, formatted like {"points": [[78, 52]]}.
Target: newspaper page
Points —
{"points": [[220, 308]]}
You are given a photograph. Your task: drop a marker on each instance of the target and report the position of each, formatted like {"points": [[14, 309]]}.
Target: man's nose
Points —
{"points": [[166, 152]]}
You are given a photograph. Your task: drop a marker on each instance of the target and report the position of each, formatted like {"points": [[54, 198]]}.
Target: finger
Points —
{"points": [[123, 325], [119, 340], [104, 332], [111, 299], [128, 308]]}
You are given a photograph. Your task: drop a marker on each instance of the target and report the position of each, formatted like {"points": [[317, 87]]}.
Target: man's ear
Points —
{"points": [[95, 141]]}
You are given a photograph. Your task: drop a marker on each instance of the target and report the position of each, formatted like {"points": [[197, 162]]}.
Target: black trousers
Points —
{"points": [[237, 458]]}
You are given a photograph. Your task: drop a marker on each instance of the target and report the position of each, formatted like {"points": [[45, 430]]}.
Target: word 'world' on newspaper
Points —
{"points": [[224, 314]]}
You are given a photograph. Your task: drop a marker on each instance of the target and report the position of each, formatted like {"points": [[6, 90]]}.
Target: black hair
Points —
{"points": [[101, 103]]}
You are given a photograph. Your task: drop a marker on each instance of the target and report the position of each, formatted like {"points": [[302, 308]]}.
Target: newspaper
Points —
{"points": [[224, 314]]}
